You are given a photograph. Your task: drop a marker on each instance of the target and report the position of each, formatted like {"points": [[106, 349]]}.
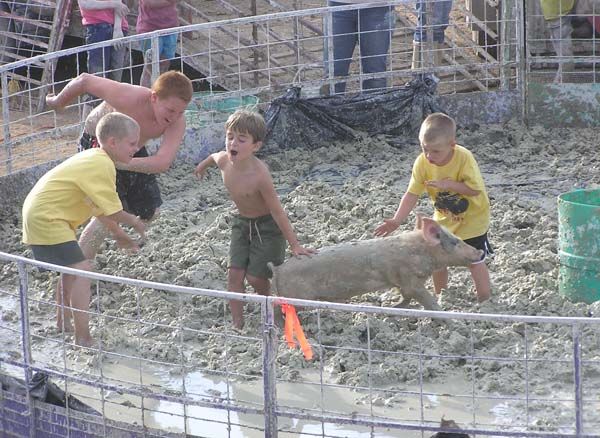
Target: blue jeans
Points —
{"points": [[372, 29], [167, 45], [439, 20], [107, 59]]}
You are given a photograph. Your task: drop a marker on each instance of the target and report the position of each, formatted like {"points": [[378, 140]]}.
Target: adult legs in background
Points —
{"points": [[372, 29], [560, 35], [167, 47], [427, 55], [375, 32]]}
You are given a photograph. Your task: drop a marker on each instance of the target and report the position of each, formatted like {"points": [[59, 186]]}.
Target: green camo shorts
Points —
{"points": [[254, 243]]}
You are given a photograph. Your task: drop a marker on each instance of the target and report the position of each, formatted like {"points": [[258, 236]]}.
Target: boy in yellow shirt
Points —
{"points": [[69, 195], [451, 177]]}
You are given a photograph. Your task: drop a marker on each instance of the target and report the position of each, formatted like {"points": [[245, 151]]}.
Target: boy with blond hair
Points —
{"points": [[68, 196], [159, 111], [450, 175], [261, 228]]}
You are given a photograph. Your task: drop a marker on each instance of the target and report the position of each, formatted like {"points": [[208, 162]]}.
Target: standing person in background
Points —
{"points": [[104, 20], [426, 55], [372, 29], [558, 16], [155, 15]]}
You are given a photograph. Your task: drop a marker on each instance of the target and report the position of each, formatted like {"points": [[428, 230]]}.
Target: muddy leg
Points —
{"points": [[63, 316], [78, 289], [440, 280], [92, 237], [235, 283], [481, 278]]}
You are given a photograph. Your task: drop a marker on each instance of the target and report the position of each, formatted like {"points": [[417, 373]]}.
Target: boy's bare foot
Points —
{"points": [[238, 323], [482, 298], [84, 342], [67, 327]]}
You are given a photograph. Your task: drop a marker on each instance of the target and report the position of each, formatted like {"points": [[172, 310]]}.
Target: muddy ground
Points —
{"points": [[340, 194]]}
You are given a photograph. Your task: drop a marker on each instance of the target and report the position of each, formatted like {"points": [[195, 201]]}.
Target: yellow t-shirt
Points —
{"points": [[553, 9], [465, 216], [68, 195]]}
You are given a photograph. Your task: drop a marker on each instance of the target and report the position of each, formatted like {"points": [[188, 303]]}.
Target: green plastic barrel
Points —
{"points": [[579, 245]]}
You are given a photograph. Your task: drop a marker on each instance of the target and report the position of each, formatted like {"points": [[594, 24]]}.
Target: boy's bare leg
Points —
{"points": [[78, 288], [92, 237], [481, 278], [235, 283], [63, 316], [262, 286], [440, 280]]}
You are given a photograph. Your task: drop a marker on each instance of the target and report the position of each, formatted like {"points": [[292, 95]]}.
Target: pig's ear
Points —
{"points": [[431, 231], [418, 221]]}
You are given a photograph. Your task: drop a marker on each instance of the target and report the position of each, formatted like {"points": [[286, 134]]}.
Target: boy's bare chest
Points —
{"points": [[241, 187]]}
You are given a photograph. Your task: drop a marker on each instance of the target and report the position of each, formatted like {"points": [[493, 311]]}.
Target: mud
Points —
{"points": [[338, 194]]}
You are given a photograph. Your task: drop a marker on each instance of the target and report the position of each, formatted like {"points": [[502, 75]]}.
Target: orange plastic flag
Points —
{"points": [[294, 329]]}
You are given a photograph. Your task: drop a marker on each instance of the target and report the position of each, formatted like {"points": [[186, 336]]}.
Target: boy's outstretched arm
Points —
{"points": [[408, 202], [111, 222], [202, 167], [116, 93], [160, 161], [267, 190]]}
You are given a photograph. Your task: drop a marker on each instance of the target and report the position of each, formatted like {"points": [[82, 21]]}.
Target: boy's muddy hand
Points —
{"points": [[442, 184], [300, 250], [140, 227], [200, 172], [388, 226], [128, 244], [52, 102]]}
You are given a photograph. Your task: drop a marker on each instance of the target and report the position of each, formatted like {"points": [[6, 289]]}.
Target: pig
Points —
{"points": [[403, 261]]}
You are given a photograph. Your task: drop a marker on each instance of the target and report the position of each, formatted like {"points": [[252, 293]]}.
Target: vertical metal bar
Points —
{"points": [[522, 56], [6, 122], [370, 375], [269, 369], [473, 379], [577, 380], [25, 340], [182, 364], [421, 352], [297, 31], [321, 380], [504, 52], [255, 54], [527, 396], [328, 34], [155, 72]]}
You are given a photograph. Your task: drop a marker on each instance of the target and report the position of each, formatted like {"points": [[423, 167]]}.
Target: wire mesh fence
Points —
{"points": [[253, 60], [154, 365]]}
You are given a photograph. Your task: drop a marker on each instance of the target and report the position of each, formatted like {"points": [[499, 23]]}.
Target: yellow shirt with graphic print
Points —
{"points": [[465, 216], [68, 195]]}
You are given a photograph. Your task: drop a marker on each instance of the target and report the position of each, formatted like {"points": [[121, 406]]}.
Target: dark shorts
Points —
{"points": [[139, 192], [254, 243], [63, 254], [482, 243]]}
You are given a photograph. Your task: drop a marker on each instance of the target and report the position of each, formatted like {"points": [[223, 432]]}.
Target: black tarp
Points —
{"points": [[296, 122]]}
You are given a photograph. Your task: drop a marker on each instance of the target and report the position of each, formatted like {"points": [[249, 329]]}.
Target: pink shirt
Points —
{"points": [[150, 19], [95, 16]]}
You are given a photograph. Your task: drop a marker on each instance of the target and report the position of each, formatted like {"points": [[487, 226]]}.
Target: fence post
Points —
{"points": [[508, 26], [577, 380], [522, 57], [6, 121], [25, 340], [269, 369]]}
